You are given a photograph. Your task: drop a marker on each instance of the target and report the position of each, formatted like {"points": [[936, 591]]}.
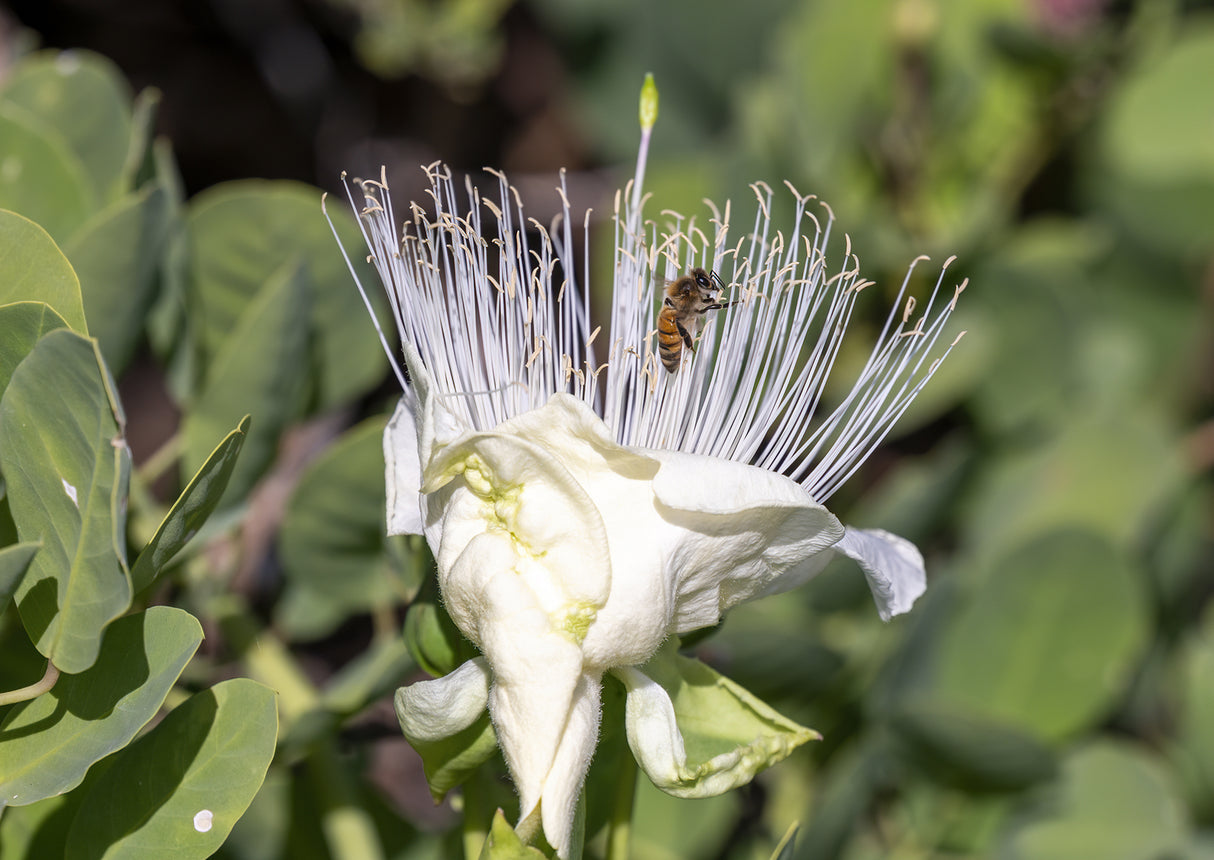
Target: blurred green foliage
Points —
{"points": [[1051, 696]]}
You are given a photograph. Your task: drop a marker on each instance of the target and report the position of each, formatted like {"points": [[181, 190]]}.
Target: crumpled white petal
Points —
{"points": [[404, 472], [749, 532], [653, 734], [892, 565], [562, 554], [433, 710]]}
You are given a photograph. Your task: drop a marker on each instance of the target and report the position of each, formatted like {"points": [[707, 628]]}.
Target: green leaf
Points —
{"points": [[23, 324], [177, 791], [243, 232], [433, 639], [192, 508], [33, 269], [787, 847], [1116, 803], [728, 734], [258, 372], [1195, 722], [971, 753], [1048, 642], [116, 255], [332, 539], [1156, 164], [47, 744], [85, 99], [42, 179], [14, 561], [67, 465], [38, 830], [503, 843]]}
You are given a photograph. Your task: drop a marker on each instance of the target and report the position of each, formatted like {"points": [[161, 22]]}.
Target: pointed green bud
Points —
{"points": [[649, 103]]}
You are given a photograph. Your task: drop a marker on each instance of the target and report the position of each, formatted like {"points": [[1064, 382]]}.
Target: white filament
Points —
{"points": [[493, 303]]}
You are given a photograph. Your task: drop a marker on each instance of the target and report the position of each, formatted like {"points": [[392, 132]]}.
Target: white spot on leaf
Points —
{"points": [[71, 492], [203, 819]]}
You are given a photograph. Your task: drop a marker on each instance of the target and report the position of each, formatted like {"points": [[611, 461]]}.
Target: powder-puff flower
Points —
{"points": [[583, 503]]}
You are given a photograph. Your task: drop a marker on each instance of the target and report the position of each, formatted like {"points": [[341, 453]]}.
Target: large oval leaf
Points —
{"points": [[1049, 641], [33, 269], [23, 324], [116, 255], [241, 233], [260, 371], [196, 773], [67, 463], [83, 97], [48, 744], [42, 179], [1116, 803], [332, 538]]}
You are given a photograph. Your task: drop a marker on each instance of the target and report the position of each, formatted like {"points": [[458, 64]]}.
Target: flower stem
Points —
{"points": [[621, 810], [475, 828], [33, 690]]}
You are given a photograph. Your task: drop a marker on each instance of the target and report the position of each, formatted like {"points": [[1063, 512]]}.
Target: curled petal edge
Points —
{"points": [[433, 710], [892, 565]]}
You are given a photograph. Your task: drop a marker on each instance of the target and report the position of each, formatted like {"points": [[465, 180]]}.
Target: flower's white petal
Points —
{"points": [[433, 710], [403, 472], [893, 566], [564, 784], [748, 532], [653, 734], [437, 426]]}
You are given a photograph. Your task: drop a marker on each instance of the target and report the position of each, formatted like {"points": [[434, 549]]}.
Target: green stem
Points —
{"points": [[475, 828], [621, 810], [33, 690], [161, 459]]}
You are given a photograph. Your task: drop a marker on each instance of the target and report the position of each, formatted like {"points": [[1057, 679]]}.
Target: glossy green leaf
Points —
{"points": [[42, 179], [33, 269], [969, 753], [1116, 803], [332, 539], [192, 508], [67, 465], [86, 100], [1048, 641], [258, 372], [503, 843], [14, 562], [47, 744], [177, 791], [244, 232], [117, 254], [23, 323]]}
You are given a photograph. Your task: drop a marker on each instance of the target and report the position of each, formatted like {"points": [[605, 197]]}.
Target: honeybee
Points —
{"points": [[687, 299]]}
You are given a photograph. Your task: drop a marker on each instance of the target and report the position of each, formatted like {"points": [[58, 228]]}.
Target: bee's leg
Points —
{"points": [[686, 335]]}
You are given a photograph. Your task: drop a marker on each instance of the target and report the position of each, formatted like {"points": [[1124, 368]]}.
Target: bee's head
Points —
{"points": [[708, 284]]}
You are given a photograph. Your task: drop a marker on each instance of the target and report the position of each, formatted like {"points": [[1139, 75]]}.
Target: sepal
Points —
{"points": [[695, 733]]}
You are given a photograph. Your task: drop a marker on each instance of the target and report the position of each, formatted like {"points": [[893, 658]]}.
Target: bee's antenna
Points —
{"points": [[717, 278]]}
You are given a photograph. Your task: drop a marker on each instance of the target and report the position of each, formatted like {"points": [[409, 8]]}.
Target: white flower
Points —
{"points": [[583, 504]]}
